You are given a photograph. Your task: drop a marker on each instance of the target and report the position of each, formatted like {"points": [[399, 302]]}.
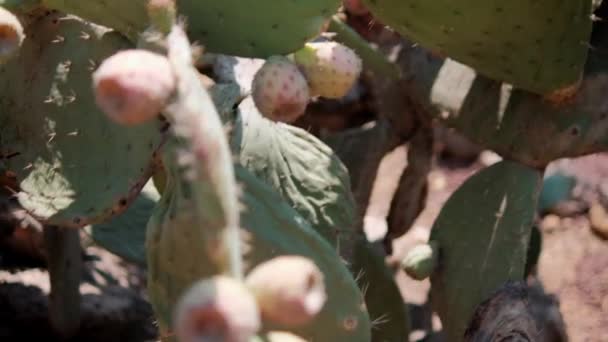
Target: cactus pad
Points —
{"points": [[483, 232], [74, 166], [305, 171], [516, 124], [268, 27], [387, 308], [270, 228], [550, 37]]}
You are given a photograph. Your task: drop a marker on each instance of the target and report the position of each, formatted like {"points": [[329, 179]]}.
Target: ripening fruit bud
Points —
{"points": [[217, 309], [290, 290], [279, 90], [421, 261], [11, 35], [133, 86]]}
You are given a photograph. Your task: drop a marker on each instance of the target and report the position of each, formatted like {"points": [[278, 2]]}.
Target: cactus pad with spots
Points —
{"points": [[74, 166]]}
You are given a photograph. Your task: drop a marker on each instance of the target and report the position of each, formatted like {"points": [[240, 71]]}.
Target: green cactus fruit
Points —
{"points": [[74, 166], [279, 90], [281, 26], [483, 232], [516, 124], [11, 35], [290, 290], [217, 309], [271, 228], [421, 261], [305, 171], [386, 306], [550, 37], [331, 68], [124, 234], [133, 86]]}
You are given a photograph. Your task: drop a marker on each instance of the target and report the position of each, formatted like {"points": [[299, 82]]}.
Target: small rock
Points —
{"points": [[437, 181], [550, 223]]}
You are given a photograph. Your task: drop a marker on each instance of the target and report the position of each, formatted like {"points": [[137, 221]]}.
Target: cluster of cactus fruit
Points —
{"points": [[254, 233]]}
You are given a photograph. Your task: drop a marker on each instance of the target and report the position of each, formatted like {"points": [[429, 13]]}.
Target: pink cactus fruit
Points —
{"points": [[290, 290], [279, 90], [330, 68], [217, 309], [283, 336], [133, 86], [11, 35]]}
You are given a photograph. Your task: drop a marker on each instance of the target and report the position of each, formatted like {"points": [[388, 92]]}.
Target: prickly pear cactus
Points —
{"points": [[74, 166], [516, 124], [270, 228], [550, 37], [273, 228], [281, 26], [183, 232], [491, 213], [304, 170]]}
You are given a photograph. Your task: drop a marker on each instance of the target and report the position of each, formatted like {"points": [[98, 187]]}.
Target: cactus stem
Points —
{"points": [[195, 119], [65, 268]]}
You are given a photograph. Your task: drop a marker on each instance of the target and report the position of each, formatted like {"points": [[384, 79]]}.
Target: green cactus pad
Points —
{"points": [[305, 171], [75, 167], [270, 228], [387, 308], [483, 233], [539, 46], [260, 29], [516, 124], [125, 234], [268, 27]]}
